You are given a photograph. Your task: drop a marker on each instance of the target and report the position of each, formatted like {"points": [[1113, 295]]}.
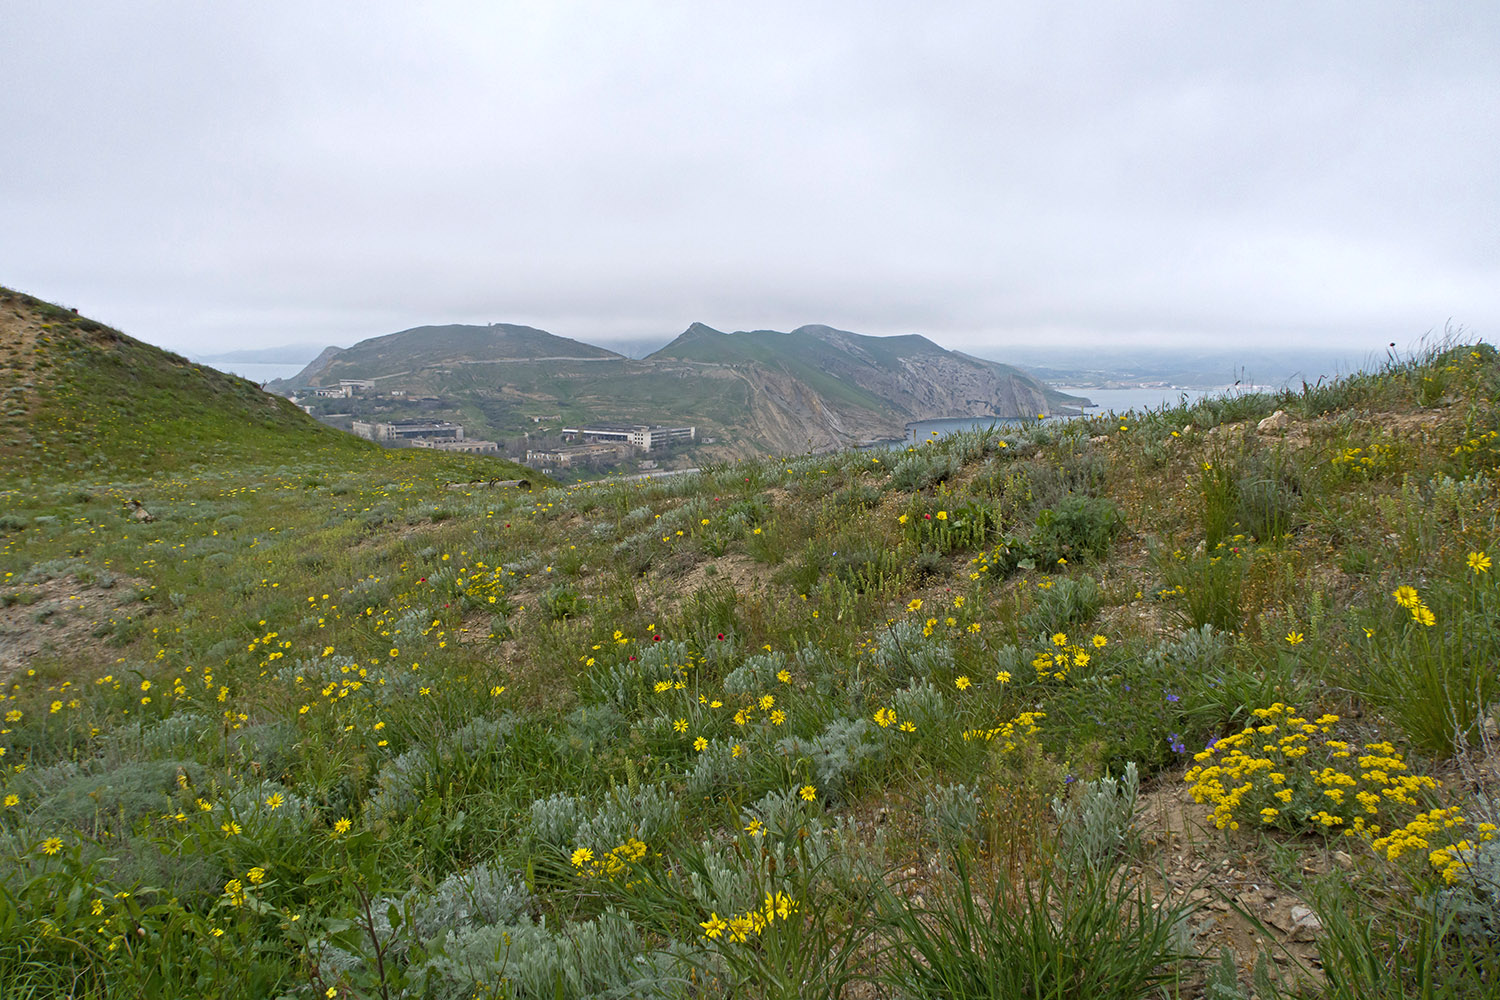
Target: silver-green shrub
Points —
{"points": [[837, 754], [903, 649], [756, 674], [952, 813], [1097, 823]]}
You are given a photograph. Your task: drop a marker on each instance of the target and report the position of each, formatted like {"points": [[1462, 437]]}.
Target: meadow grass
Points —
{"points": [[328, 727]]}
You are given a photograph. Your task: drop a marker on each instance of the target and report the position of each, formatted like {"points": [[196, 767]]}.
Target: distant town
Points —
{"points": [[552, 448]]}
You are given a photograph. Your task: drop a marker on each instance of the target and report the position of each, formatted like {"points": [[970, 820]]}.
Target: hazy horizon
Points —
{"points": [[992, 176]]}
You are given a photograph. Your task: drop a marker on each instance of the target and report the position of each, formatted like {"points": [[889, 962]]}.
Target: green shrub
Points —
{"points": [[1207, 589], [1077, 528], [1069, 601], [561, 601], [1431, 668]]}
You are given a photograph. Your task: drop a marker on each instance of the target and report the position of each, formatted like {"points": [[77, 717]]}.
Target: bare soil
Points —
{"points": [[58, 618]]}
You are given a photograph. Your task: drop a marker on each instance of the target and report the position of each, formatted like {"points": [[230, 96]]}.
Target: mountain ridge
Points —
{"points": [[753, 392]]}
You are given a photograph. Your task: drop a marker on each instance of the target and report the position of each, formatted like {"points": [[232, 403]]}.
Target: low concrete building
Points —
{"points": [[409, 430], [566, 458], [639, 436], [351, 384], [456, 444], [330, 391]]}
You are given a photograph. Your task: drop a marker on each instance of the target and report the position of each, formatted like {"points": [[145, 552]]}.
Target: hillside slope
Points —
{"points": [[81, 397], [900, 379]]}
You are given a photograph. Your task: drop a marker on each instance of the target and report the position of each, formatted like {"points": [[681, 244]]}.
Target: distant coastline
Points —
{"points": [[259, 372]]}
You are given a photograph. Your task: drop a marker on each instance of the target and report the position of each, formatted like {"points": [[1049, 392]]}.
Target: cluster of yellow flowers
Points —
{"points": [[886, 717], [484, 584], [1056, 663], [1488, 442], [738, 929], [1289, 772], [613, 864], [235, 890], [1362, 463], [1012, 734], [1409, 599], [1453, 858]]}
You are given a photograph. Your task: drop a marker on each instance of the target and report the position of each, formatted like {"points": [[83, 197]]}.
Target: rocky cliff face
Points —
{"points": [[787, 415]]}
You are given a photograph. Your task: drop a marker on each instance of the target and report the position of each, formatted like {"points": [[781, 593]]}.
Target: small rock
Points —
{"points": [[1278, 421], [1343, 860], [1305, 924]]}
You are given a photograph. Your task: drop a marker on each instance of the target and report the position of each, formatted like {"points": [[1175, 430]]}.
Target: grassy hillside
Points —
{"points": [[1176, 704], [84, 401]]}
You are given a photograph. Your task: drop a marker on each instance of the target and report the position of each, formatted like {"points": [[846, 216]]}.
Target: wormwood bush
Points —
{"points": [[1097, 823], [716, 770], [1069, 601], [920, 702], [625, 682], [952, 813], [756, 674], [1470, 903], [1203, 649], [603, 957], [483, 895], [920, 469], [905, 647], [555, 820], [837, 754], [648, 813], [405, 779], [96, 795], [566, 821], [589, 727]]}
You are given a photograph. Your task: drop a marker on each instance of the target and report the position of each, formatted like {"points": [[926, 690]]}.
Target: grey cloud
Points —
{"points": [[983, 173]]}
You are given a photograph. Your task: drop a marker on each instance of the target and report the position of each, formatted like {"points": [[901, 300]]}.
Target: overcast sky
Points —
{"points": [[212, 176]]}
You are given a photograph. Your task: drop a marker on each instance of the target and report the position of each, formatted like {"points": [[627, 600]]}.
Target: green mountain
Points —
{"points": [[454, 344], [747, 393]]}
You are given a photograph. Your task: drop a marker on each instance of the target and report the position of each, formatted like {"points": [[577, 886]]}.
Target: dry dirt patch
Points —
{"points": [[1240, 906], [59, 617]]}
